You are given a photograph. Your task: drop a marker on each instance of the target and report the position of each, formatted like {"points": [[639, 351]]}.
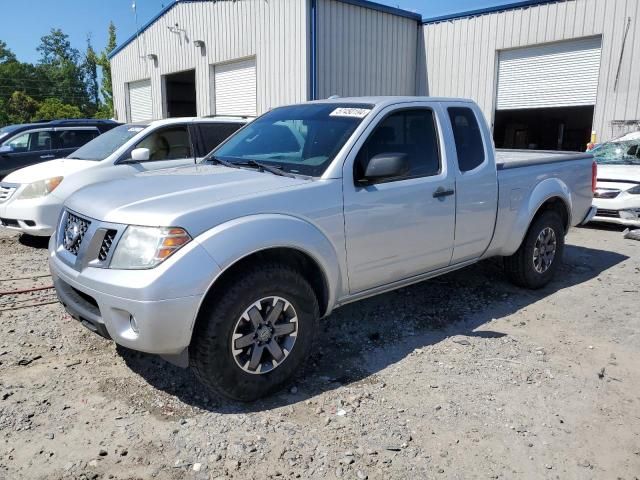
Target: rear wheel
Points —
{"points": [[535, 263], [251, 339]]}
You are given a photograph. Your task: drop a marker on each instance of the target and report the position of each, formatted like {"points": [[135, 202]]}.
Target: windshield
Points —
{"points": [[101, 147], [300, 139], [618, 153], [5, 131]]}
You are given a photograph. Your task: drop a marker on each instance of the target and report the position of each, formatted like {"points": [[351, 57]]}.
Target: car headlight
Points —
{"points": [[41, 188], [147, 247], [635, 190]]}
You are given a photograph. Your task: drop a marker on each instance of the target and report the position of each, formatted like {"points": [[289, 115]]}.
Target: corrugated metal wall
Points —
{"points": [[275, 32], [462, 55], [364, 52]]}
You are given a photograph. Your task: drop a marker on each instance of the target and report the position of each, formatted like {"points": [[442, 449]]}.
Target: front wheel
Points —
{"points": [[535, 263], [251, 339]]}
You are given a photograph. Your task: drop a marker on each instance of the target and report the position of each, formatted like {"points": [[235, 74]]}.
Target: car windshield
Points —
{"points": [[104, 145], [5, 131], [299, 139], [625, 152]]}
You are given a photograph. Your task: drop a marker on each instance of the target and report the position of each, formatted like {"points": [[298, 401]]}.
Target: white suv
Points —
{"points": [[31, 198]]}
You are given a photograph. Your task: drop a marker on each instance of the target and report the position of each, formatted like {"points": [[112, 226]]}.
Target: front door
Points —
{"points": [[403, 226], [27, 149]]}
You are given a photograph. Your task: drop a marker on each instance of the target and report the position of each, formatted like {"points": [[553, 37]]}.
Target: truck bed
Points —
{"points": [[506, 159]]}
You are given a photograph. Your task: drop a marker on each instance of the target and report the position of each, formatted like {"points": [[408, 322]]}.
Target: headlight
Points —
{"points": [[40, 188], [635, 190], [147, 247]]}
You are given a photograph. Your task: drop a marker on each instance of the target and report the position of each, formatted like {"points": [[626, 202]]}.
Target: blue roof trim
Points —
{"points": [[494, 9], [384, 8], [120, 47], [360, 3]]}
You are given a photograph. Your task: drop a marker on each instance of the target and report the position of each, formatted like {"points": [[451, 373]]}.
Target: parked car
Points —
{"points": [[31, 198], [228, 265], [31, 143], [617, 196]]}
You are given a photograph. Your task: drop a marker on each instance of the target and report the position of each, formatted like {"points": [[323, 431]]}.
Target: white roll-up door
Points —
{"points": [[561, 74], [235, 88], [140, 102]]}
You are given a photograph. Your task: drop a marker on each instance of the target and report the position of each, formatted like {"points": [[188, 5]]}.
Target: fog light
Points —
{"points": [[134, 324]]}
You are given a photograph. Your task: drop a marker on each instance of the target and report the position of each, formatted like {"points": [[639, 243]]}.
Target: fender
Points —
{"points": [[234, 240], [543, 191]]}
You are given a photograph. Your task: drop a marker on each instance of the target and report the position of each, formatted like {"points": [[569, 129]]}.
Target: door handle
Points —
{"points": [[47, 156], [441, 192]]}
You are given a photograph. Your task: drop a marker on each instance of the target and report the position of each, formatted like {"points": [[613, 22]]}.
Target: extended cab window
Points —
{"points": [[168, 144], [412, 132], [213, 134], [466, 131]]}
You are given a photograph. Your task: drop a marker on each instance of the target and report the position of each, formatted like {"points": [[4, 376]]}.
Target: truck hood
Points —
{"points": [[619, 173], [164, 197], [54, 168]]}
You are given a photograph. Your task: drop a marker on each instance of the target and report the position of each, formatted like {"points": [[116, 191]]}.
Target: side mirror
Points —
{"points": [[386, 165], [6, 149], [140, 155]]}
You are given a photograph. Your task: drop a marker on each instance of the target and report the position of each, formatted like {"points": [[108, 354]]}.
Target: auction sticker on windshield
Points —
{"points": [[136, 129], [350, 112]]}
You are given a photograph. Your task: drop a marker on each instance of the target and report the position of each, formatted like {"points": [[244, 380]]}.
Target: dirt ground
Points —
{"points": [[464, 376]]}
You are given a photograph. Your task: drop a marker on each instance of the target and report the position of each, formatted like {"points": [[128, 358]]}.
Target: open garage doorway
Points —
{"points": [[565, 128], [180, 94]]}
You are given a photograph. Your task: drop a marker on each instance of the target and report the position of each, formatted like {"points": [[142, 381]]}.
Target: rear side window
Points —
{"points": [[466, 131], [412, 132], [75, 138], [213, 134]]}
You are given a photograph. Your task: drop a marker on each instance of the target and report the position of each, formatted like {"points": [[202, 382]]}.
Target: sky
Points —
{"points": [[24, 23]]}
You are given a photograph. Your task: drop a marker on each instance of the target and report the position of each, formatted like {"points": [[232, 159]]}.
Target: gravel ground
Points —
{"points": [[464, 376]]}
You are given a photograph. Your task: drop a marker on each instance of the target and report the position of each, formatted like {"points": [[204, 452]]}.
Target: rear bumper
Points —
{"points": [[589, 216]]}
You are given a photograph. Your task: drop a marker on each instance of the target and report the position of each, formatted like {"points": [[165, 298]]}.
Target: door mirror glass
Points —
{"points": [[6, 149], [140, 155], [386, 165]]}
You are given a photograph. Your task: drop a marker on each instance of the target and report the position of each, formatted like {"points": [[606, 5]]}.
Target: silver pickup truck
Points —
{"points": [[228, 266]]}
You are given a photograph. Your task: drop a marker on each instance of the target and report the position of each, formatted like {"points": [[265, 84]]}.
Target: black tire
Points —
{"points": [[210, 353], [520, 266]]}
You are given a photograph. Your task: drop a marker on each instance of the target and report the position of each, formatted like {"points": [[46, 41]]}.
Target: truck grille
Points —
{"points": [[5, 192], [74, 230], [603, 212], [107, 242]]}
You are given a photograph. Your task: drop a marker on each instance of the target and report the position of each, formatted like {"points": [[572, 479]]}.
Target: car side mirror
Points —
{"points": [[386, 165], [6, 149], [140, 155]]}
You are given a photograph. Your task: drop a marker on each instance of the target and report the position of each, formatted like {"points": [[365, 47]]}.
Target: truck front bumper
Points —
{"points": [[137, 308]]}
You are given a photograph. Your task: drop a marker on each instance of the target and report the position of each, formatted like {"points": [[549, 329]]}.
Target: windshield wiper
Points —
{"points": [[222, 162], [268, 168]]}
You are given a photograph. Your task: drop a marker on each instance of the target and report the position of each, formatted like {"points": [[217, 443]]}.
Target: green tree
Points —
{"points": [[105, 65], [21, 108], [6, 55], [90, 67], [59, 62], [53, 108]]}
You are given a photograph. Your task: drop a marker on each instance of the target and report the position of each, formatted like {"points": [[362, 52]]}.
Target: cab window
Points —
{"points": [[466, 132], [412, 132]]}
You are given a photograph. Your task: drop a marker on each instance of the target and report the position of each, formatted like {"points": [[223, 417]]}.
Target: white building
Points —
{"points": [[545, 72]]}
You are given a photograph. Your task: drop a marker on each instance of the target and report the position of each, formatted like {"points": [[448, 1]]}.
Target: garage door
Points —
{"points": [[140, 104], [235, 88], [555, 75]]}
